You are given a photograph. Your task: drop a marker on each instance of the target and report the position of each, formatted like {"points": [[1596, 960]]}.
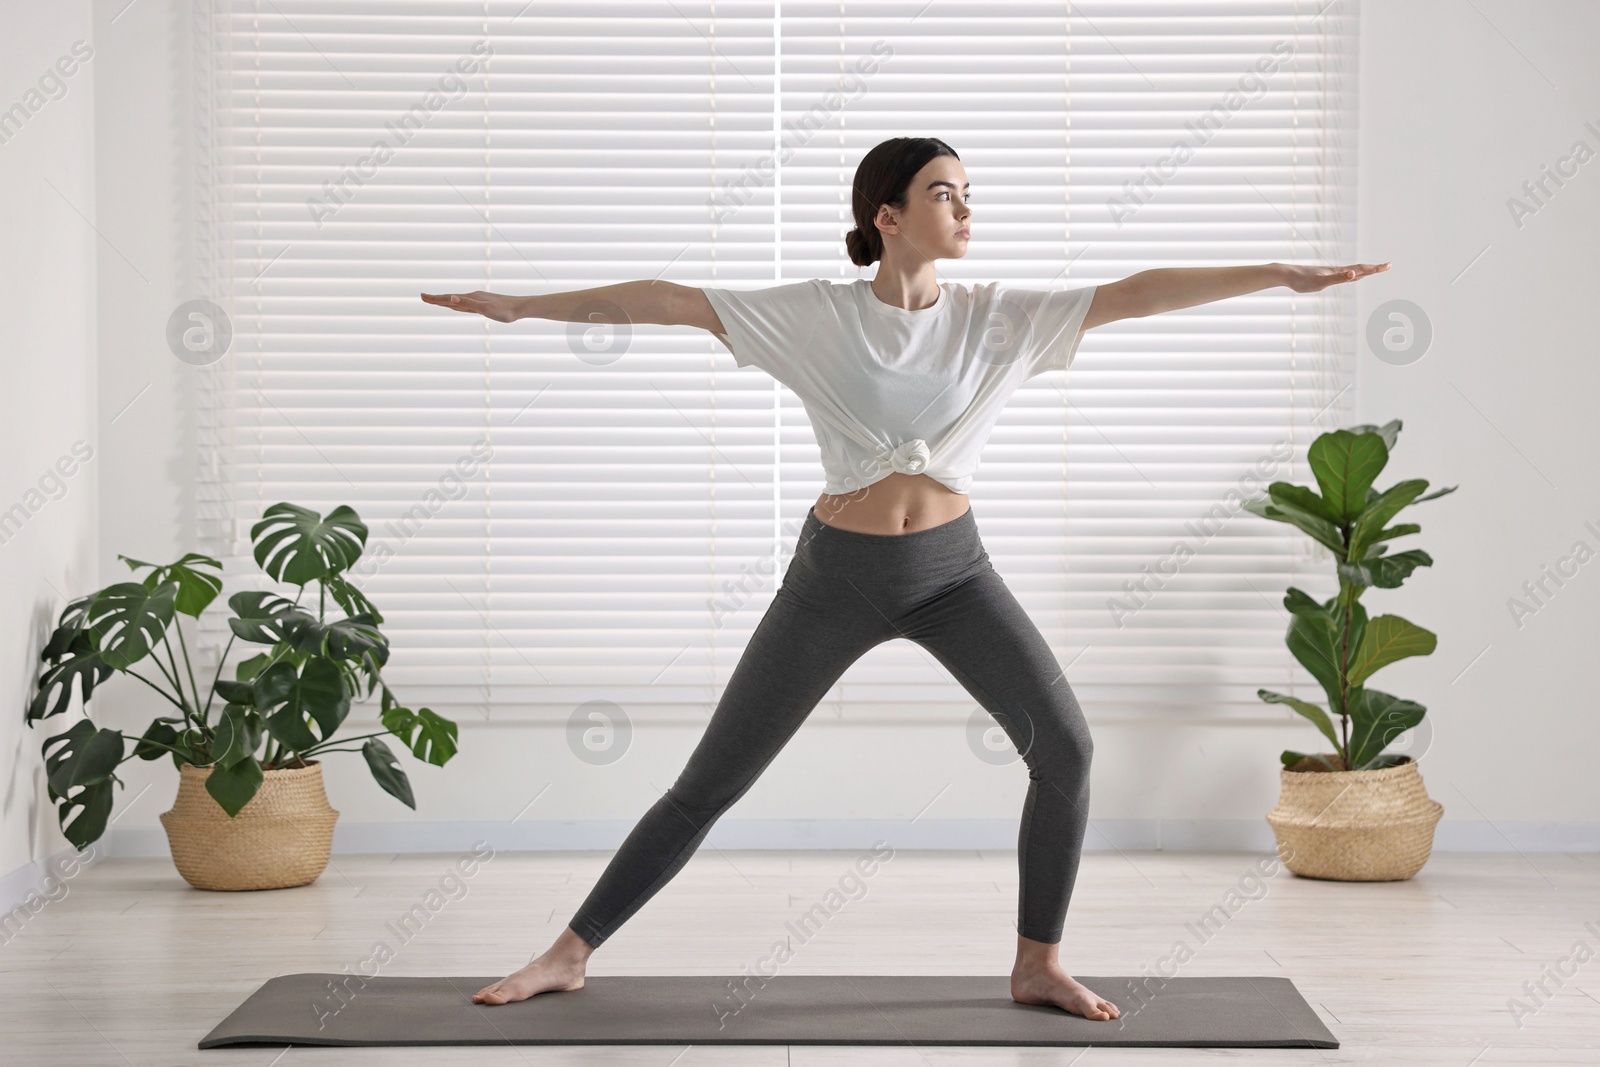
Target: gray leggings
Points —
{"points": [[843, 593]]}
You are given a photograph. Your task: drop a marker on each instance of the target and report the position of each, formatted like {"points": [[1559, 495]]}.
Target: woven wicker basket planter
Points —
{"points": [[1354, 826], [281, 838]]}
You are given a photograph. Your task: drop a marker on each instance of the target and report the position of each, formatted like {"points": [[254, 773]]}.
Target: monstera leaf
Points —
{"points": [[198, 578], [232, 787], [316, 692], [351, 599], [353, 638], [162, 732], [387, 772], [78, 768], [68, 628], [239, 733], [429, 736], [126, 620], [79, 662], [262, 617], [296, 545], [296, 693]]}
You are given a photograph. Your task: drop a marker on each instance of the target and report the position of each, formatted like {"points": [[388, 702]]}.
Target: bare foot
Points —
{"points": [[545, 973], [1052, 985]]}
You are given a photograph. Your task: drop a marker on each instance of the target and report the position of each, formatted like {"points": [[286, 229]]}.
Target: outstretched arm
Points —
{"points": [[1169, 288], [657, 302]]}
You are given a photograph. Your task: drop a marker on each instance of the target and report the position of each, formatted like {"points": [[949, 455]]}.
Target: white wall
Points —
{"points": [[49, 400], [1454, 119], [1462, 104]]}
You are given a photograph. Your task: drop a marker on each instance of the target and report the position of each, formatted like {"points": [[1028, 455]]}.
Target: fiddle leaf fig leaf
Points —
{"points": [[1399, 530], [1299, 602], [1388, 431], [1319, 528], [1313, 712], [1313, 641], [1287, 494], [1388, 638], [1376, 719], [1436, 494], [1345, 465], [1290, 758], [1387, 504], [1390, 571]]}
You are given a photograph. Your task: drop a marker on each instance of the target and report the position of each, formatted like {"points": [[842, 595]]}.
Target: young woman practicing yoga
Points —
{"points": [[903, 377]]}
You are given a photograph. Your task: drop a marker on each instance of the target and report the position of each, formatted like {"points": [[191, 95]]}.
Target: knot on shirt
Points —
{"points": [[910, 457]]}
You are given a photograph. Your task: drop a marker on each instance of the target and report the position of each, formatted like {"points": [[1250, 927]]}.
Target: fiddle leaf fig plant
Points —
{"points": [[284, 704], [1334, 639]]}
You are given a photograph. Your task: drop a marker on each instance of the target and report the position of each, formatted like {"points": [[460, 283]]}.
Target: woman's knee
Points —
{"points": [[1061, 745], [705, 796]]}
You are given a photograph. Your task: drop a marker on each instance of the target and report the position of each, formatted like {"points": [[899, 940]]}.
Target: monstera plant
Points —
{"points": [[1334, 639], [282, 707]]}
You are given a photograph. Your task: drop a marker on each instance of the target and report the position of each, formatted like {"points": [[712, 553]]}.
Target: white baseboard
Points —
{"points": [[1175, 835]]}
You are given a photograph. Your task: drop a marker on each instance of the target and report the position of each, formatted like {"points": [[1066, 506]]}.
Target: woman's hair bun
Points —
{"points": [[856, 246]]}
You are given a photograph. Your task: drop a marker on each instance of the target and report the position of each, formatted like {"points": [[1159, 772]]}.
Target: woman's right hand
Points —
{"points": [[496, 306]]}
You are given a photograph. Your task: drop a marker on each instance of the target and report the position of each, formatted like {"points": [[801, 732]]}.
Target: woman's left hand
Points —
{"points": [[1315, 279]]}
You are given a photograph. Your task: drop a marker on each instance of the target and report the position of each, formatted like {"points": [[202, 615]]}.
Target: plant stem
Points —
{"points": [[157, 744], [177, 675], [177, 624], [156, 659], [1347, 602], [163, 692], [205, 713], [318, 746]]}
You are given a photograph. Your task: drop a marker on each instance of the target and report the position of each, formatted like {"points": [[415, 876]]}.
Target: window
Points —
{"points": [[563, 513]]}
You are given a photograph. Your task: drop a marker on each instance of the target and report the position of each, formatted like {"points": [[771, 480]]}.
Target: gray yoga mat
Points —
{"points": [[302, 1009]]}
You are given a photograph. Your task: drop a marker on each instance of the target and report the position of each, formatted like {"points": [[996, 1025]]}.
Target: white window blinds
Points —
{"points": [[564, 513]]}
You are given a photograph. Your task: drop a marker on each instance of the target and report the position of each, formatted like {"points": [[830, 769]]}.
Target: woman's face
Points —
{"points": [[934, 222]]}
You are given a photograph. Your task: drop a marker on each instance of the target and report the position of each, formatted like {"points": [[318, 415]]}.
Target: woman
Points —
{"points": [[903, 377]]}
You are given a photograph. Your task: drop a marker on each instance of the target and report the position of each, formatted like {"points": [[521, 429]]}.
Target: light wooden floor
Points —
{"points": [[133, 967]]}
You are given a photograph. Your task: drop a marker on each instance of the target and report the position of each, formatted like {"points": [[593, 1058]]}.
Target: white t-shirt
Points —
{"points": [[888, 389]]}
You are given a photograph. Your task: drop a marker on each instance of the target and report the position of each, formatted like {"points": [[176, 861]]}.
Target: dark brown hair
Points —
{"points": [[882, 178]]}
